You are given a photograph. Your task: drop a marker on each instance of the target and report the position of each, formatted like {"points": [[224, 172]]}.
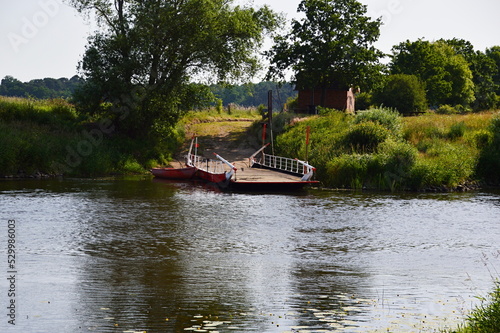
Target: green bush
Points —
{"points": [[488, 167], [388, 118], [29, 148], [47, 137], [363, 101], [446, 109], [481, 138], [56, 113], [348, 170], [446, 164], [365, 137], [368, 150], [292, 103], [395, 161], [325, 137], [457, 130], [326, 111], [402, 92]]}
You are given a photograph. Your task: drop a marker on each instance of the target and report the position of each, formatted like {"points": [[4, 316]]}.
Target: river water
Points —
{"points": [[137, 254]]}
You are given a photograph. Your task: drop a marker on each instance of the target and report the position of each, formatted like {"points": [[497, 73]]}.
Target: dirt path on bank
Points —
{"points": [[232, 140]]}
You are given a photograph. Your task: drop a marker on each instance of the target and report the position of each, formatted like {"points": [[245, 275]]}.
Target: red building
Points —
{"points": [[328, 97]]}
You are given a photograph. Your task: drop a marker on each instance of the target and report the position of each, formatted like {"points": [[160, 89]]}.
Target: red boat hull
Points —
{"points": [[173, 173], [218, 178]]}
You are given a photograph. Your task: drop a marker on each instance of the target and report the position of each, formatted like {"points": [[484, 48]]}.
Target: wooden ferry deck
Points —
{"points": [[257, 173], [245, 173], [248, 178]]}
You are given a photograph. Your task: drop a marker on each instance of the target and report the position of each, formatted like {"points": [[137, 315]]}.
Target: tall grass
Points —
{"points": [[55, 113], [326, 139], [215, 114], [486, 317], [49, 137], [379, 149], [28, 149], [489, 159]]}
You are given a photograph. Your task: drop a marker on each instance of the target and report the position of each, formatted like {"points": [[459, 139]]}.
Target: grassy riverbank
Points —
{"points": [[47, 137], [378, 149], [375, 149]]}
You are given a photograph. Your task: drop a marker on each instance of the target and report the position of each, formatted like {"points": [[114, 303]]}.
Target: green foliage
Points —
{"points": [[365, 137], [445, 73], [481, 138], [489, 160], [389, 119], [348, 170], [363, 101], [322, 111], [388, 169], [379, 149], [484, 70], [485, 318], [403, 92], [22, 148], [353, 152], [445, 164], [395, 162], [31, 148], [325, 138], [457, 130], [47, 137], [40, 88], [493, 54], [292, 103], [56, 113], [331, 44], [141, 61], [446, 109], [219, 106], [252, 95]]}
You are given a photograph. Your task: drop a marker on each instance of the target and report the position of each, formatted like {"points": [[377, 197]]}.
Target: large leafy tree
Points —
{"points": [[139, 67], [483, 69], [493, 53], [331, 45], [402, 92], [445, 73]]}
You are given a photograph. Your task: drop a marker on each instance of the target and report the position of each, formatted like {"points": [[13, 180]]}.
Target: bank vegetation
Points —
{"points": [[378, 149], [374, 149], [485, 318]]}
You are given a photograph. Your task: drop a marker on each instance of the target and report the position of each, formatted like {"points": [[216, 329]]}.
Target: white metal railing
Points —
{"points": [[283, 163], [220, 166], [208, 165]]}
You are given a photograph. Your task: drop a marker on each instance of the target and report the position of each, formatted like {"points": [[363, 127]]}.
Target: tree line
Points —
{"points": [[40, 88], [140, 67], [246, 95], [445, 75], [253, 95]]}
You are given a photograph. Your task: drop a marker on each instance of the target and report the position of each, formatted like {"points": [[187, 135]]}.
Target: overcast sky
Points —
{"points": [[46, 38]]}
